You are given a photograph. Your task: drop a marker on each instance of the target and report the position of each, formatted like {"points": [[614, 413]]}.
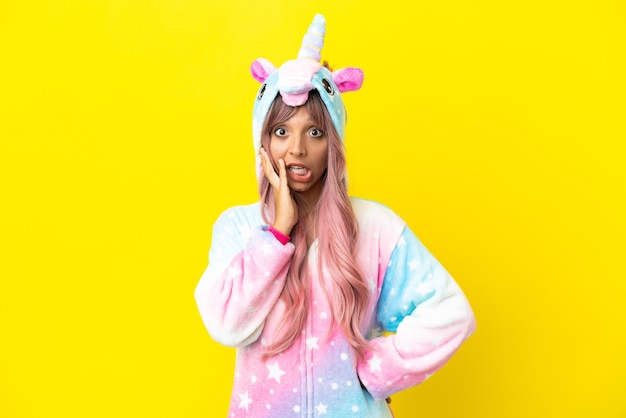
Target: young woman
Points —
{"points": [[332, 302]]}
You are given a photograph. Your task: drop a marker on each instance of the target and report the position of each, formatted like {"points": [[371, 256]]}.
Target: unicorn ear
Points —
{"points": [[261, 69], [348, 79]]}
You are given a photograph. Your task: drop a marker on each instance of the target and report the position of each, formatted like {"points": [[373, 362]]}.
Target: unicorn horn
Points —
{"points": [[313, 41]]}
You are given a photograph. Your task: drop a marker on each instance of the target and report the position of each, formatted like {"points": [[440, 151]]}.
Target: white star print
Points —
{"points": [[321, 408], [374, 363], [275, 372], [245, 400], [312, 342], [413, 264], [266, 248]]}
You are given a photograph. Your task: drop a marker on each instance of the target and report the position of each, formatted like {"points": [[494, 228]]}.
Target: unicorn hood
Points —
{"points": [[296, 78]]}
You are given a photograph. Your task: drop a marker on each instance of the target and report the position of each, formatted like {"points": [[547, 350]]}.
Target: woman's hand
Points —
{"points": [[286, 209]]}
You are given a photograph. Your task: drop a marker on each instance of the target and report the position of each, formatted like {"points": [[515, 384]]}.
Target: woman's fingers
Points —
{"points": [[268, 169], [282, 175], [286, 210]]}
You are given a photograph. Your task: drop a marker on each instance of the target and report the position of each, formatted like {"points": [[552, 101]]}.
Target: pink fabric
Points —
{"points": [[284, 239], [261, 69], [295, 77], [295, 99], [348, 79], [412, 297]]}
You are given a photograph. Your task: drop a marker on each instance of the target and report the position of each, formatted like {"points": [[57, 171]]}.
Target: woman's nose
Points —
{"points": [[297, 146]]}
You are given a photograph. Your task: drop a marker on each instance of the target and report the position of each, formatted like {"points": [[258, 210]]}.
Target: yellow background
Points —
{"points": [[494, 128]]}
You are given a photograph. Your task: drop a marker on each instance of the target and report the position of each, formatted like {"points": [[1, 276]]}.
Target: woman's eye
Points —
{"points": [[280, 132], [316, 132]]}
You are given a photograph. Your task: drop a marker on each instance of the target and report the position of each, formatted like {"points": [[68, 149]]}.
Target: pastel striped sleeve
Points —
{"points": [[427, 313]]}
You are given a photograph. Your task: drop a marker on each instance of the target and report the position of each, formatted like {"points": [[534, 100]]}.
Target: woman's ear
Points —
{"points": [[261, 69], [348, 79]]}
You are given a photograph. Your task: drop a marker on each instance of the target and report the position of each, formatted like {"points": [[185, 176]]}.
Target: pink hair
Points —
{"points": [[346, 290]]}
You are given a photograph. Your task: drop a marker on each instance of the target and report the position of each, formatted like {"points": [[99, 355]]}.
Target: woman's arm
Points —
{"points": [[428, 315], [243, 281]]}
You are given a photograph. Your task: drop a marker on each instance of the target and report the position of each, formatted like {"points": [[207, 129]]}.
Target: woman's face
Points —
{"points": [[302, 144]]}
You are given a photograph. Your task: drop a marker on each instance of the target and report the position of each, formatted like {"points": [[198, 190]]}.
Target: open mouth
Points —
{"points": [[300, 171]]}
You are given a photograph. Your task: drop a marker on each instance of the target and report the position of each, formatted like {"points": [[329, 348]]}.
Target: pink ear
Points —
{"points": [[348, 79], [261, 69]]}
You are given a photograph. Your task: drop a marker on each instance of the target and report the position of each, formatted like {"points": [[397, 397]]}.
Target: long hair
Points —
{"points": [[336, 228]]}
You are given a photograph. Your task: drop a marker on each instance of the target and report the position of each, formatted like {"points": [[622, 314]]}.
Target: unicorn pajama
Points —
{"points": [[417, 315]]}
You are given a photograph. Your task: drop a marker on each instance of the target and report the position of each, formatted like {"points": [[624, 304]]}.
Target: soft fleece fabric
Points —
{"points": [[412, 297], [296, 78]]}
